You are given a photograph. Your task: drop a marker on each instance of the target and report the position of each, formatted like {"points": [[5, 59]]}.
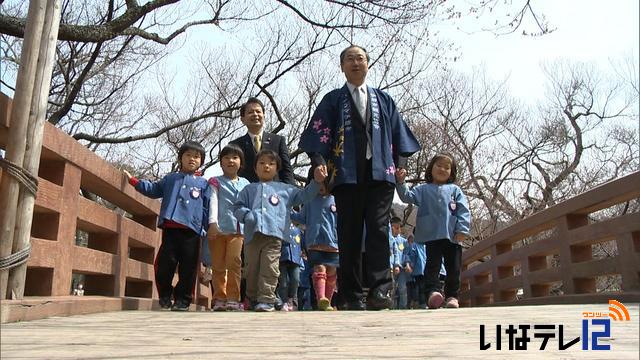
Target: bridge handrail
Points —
{"points": [[552, 251], [119, 227]]}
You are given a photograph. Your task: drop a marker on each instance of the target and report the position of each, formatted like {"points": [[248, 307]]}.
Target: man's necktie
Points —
{"points": [[361, 101], [258, 144]]}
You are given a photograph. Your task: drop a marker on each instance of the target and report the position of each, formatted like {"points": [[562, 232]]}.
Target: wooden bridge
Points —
{"points": [[109, 244], [398, 334]]}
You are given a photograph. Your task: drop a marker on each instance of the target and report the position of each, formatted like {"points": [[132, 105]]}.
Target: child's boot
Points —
{"points": [[330, 289], [451, 303], [435, 300], [319, 285]]}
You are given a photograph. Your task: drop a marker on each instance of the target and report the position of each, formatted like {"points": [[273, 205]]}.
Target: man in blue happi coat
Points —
{"points": [[360, 135]]}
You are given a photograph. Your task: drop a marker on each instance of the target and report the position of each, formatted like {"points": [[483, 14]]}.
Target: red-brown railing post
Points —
{"points": [[66, 239]]}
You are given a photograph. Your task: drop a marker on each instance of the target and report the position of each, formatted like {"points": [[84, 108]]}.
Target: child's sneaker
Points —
{"points": [[263, 307], [285, 307], [234, 306], [278, 305], [180, 306], [435, 300], [292, 305], [452, 303], [324, 304], [219, 305], [165, 303]]}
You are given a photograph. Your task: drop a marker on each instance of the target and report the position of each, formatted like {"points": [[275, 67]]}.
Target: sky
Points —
{"points": [[586, 30]]}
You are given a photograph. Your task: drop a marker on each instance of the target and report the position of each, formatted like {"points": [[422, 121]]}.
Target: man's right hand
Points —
{"points": [[127, 174]]}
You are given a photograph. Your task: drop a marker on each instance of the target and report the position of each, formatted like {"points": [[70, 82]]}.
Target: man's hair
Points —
{"points": [[272, 155], [454, 167], [344, 52], [251, 100], [232, 149]]}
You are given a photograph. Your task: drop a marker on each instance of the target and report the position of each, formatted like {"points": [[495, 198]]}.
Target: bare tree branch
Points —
{"points": [[123, 25]]}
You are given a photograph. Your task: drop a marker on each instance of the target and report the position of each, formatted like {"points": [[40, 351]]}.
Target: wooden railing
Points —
{"points": [[118, 259], [555, 255]]}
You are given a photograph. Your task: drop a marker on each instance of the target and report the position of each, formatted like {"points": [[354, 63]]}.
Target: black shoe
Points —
{"points": [[180, 306], [378, 300], [165, 303], [357, 305]]}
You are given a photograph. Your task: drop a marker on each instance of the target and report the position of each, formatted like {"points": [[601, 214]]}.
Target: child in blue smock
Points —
{"points": [[395, 260], [304, 289], [290, 264], [264, 209], [183, 218], [400, 276], [414, 260], [321, 239], [225, 232], [443, 221]]}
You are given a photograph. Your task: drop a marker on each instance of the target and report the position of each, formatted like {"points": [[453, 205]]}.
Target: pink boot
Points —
{"points": [[319, 285], [330, 288]]}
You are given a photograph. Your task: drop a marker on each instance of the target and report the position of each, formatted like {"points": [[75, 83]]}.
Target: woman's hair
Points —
{"points": [[454, 167], [232, 149], [271, 155]]}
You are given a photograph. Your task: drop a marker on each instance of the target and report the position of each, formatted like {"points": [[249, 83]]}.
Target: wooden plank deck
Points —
{"points": [[416, 334]]}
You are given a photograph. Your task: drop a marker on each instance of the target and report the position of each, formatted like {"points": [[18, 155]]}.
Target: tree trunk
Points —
{"points": [[9, 187]]}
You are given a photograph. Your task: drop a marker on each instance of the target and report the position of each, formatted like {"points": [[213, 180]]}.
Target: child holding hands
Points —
{"points": [[264, 209], [443, 221], [183, 216], [321, 238], [290, 263]]}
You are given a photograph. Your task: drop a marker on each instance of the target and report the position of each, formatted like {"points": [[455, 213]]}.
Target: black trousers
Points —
{"points": [[451, 253], [180, 248], [359, 205]]}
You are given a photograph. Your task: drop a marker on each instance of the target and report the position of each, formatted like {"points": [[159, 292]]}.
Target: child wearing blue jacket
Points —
{"points": [[290, 264], [321, 239], [264, 209], [443, 221], [183, 219], [304, 289], [400, 277], [414, 260], [225, 232]]}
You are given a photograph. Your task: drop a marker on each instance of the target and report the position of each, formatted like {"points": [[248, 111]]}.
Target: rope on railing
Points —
{"points": [[29, 182], [15, 259]]}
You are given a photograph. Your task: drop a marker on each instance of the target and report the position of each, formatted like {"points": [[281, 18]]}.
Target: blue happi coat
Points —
{"points": [[330, 133]]}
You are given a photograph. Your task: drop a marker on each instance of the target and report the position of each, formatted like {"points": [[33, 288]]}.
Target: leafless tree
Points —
{"points": [[581, 137], [514, 160]]}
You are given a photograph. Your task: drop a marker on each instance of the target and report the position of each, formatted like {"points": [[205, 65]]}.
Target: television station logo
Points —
{"points": [[596, 326]]}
